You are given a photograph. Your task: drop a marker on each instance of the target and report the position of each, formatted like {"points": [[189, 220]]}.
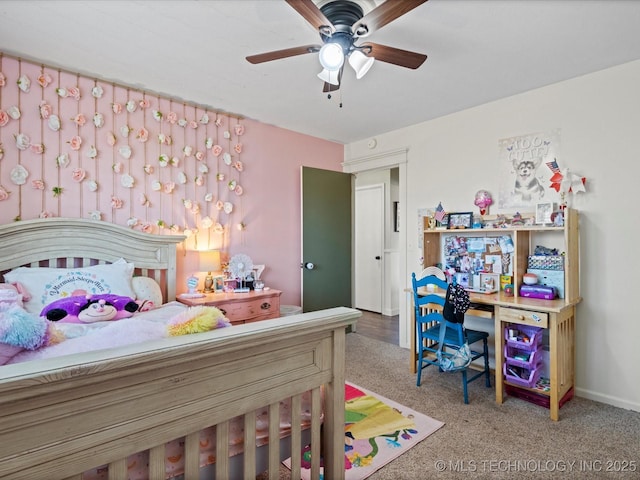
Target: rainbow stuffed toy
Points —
{"points": [[195, 320]]}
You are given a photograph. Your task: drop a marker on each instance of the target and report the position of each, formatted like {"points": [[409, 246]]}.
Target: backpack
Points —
{"points": [[456, 303]]}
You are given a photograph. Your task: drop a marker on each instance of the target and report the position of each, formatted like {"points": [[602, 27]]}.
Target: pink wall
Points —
{"points": [[271, 157]]}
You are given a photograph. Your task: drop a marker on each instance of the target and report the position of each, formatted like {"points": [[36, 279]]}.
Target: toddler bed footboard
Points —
{"points": [[66, 415]]}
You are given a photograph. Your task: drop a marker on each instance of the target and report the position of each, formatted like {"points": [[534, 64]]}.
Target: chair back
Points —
{"points": [[428, 290]]}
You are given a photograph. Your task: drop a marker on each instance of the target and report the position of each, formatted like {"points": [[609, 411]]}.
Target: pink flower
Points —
{"points": [[78, 174], [144, 201], [199, 155], [199, 180], [73, 92], [37, 148], [44, 79], [238, 165], [37, 184], [75, 143], [142, 135], [193, 124], [238, 148], [216, 150], [4, 194], [3, 80], [116, 107], [239, 129], [146, 227], [45, 110], [45, 214], [117, 167], [169, 187], [148, 169], [79, 119], [4, 118], [144, 103], [116, 202], [172, 117], [111, 138], [219, 204]]}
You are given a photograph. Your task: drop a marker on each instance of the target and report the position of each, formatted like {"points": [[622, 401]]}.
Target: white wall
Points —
{"points": [[598, 115]]}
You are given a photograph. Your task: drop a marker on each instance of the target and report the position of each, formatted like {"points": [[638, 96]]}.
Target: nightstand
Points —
{"points": [[241, 307]]}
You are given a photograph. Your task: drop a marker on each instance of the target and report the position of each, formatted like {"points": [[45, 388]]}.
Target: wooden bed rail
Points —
{"points": [[63, 416]]}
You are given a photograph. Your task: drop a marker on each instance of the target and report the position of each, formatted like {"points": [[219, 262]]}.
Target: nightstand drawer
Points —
{"points": [[524, 317], [252, 309]]}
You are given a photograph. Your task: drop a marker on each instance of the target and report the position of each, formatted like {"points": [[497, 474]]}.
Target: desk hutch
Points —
{"points": [[557, 316]]}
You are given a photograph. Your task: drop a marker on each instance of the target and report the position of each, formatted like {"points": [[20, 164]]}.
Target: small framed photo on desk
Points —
{"points": [[460, 220], [544, 212]]}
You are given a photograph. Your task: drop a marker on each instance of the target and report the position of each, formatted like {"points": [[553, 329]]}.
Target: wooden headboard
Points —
{"points": [[74, 242]]}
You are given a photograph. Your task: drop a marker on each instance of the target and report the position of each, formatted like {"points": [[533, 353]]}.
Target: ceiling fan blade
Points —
{"points": [[330, 87], [397, 56], [312, 14], [381, 15], [278, 54]]}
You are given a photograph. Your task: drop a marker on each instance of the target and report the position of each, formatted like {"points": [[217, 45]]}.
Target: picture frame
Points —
{"points": [[460, 220], [218, 283], [544, 211]]}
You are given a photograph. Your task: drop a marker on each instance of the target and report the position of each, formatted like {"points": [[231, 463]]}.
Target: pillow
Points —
{"points": [[46, 285], [147, 293]]}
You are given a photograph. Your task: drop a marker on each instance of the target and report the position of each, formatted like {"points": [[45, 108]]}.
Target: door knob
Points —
{"points": [[377, 257], [307, 265]]}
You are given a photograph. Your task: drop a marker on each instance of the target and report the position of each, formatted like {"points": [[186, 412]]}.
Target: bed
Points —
{"points": [[64, 416]]}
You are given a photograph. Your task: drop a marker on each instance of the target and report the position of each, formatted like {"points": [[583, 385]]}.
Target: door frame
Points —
{"points": [[391, 159]]}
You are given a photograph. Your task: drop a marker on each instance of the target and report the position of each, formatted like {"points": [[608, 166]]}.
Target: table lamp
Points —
{"points": [[209, 262]]}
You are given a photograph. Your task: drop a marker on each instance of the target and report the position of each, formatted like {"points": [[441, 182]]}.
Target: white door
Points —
{"points": [[369, 244]]}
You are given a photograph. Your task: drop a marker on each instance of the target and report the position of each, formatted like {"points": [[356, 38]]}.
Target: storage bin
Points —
{"points": [[523, 377], [546, 262], [522, 358], [534, 335]]}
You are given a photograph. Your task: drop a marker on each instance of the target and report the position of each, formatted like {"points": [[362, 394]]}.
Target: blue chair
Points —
{"points": [[428, 305]]}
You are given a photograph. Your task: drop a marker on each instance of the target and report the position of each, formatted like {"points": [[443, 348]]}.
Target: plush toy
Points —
{"points": [[20, 330], [12, 294], [90, 308], [197, 319]]}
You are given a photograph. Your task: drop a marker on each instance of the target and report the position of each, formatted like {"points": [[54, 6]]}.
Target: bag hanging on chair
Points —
{"points": [[456, 303], [455, 362]]}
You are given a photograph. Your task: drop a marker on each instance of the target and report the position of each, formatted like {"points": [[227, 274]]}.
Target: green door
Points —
{"points": [[326, 239]]}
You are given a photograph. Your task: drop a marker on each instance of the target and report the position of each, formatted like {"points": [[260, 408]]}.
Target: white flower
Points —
{"points": [[157, 115], [208, 143], [156, 186], [182, 178], [226, 134], [175, 161], [62, 92], [131, 106], [206, 222], [14, 112], [208, 197], [54, 123], [24, 83], [182, 122], [125, 130], [132, 222], [227, 158], [187, 150], [195, 209], [98, 120], [125, 152], [97, 91], [95, 215], [188, 204], [228, 207], [93, 152], [22, 141], [218, 228], [144, 200], [148, 169], [127, 181], [19, 175], [62, 160], [199, 180], [232, 185], [163, 160], [203, 168], [204, 119], [92, 185]]}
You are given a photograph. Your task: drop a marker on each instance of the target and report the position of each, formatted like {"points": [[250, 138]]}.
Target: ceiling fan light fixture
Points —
{"points": [[331, 56], [360, 63], [330, 76]]}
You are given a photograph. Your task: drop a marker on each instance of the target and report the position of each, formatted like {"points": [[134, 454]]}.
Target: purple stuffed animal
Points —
{"points": [[90, 308]]}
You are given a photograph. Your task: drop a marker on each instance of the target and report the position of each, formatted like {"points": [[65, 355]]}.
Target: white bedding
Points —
{"points": [[142, 326]]}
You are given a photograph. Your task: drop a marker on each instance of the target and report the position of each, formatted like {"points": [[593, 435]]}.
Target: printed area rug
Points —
{"points": [[377, 430]]}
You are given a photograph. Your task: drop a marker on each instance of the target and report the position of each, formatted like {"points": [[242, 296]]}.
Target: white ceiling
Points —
{"points": [[478, 51]]}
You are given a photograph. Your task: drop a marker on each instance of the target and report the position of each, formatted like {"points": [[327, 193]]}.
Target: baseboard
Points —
{"points": [[391, 312], [608, 399]]}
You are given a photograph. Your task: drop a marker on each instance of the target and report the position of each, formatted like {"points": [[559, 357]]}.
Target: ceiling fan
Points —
{"points": [[342, 23]]}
